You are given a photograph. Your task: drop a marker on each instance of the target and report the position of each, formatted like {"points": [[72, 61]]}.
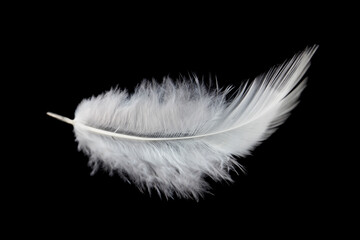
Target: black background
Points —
{"points": [[69, 56]]}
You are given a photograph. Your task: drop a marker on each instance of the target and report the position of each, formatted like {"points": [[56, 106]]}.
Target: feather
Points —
{"points": [[168, 136]]}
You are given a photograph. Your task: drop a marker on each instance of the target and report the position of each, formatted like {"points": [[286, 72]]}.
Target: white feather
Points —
{"points": [[169, 136]]}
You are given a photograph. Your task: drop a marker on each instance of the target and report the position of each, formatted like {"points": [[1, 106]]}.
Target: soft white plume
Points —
{"points": [[168, 136]]}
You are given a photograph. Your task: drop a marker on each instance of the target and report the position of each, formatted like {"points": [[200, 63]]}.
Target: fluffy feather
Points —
{"points": [[169, 136]]}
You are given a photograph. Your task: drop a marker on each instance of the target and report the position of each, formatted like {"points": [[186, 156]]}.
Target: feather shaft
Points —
{"points": [[131, 137], [61, 118]]}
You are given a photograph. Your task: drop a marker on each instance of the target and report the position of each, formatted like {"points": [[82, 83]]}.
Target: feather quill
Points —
{"points": [[168, 136]]}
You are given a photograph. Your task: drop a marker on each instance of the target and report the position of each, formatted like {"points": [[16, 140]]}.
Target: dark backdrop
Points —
{"points": [[68, 58]]}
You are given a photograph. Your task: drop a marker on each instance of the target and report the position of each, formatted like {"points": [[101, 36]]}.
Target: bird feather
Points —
{"points": [[169, 136]]}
